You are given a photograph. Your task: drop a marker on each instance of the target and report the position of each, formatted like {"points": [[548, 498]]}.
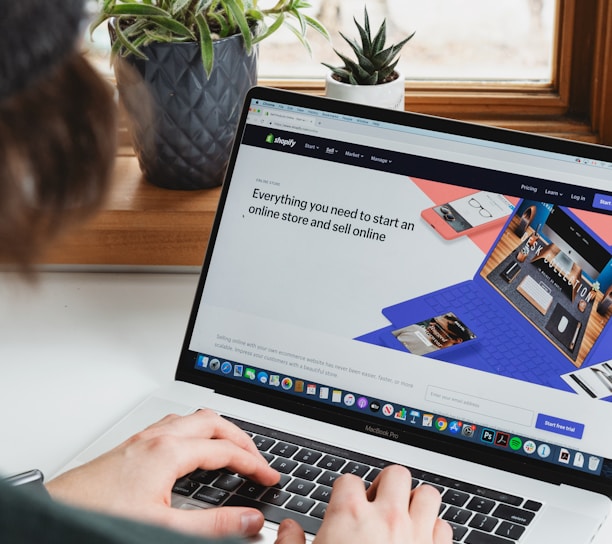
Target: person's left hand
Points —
{"points": [[135, 479]]}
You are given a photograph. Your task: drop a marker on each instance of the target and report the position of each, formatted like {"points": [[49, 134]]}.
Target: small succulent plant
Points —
{"points": [[375, 62]]}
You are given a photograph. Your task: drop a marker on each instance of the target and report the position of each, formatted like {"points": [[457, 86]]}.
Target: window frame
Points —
{"points": [[576, 104]]}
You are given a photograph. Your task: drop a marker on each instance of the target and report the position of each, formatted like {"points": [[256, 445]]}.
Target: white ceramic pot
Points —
{"points": [[386, 95]]}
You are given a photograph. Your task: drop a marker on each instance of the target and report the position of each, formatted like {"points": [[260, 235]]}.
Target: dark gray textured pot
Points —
{"points": [[182, 123]]}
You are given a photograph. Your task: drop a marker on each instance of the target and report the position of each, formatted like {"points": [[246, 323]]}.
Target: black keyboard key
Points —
{"points": [[283, 465], [328, 478], [267, 456], [322, 493], [458, 531], [319, 510], [306, 455], [300, 504], [476, 537], [510, 530], [457, 515], [204, 476], [251, 490], [355, 468], [497, 496], [484, 523], [284, 480], [300, 487], [456, 498], [283, 449], [263, 443], [329, 462], [228, 482], [211, 495], [371, 476], [275, 496], [532, 505], [185, 486], [481, 505], [516, 515], [307, 472], [276, 514]]}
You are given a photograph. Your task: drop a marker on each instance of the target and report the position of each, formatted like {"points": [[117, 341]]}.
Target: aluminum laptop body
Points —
{"points": [[323, 226]]}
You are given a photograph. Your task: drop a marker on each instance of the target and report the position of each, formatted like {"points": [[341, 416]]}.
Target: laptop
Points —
{"points": [[331, 212]]}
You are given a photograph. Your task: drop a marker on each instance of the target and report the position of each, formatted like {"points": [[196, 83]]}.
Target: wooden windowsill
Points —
{"points": [[141, 225]]}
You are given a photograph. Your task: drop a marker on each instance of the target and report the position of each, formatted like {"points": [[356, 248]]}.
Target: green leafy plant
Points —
{"points": [[142, 22], [375, 62]]}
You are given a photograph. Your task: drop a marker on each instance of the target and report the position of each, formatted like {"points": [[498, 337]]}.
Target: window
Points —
{"points": [[478, 40], [550, 71]]}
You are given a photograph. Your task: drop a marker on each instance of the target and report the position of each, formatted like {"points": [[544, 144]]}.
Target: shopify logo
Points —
{"points": [[270, 139]]}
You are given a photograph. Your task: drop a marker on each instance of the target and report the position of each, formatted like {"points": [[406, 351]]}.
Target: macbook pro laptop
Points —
{"points": [[332, 212]]}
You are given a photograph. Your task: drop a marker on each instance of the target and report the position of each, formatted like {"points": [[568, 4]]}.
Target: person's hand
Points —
{"points": [[387, 513], [135, 479]]}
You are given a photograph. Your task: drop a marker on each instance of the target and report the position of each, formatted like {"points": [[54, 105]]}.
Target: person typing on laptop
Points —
{"points": [[57, 144]]}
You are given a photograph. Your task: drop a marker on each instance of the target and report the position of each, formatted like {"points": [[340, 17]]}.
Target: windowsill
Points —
{"points": [[141, 225], [144, 225]]}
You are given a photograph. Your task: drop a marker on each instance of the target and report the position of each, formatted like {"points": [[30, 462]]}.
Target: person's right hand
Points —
{"points": [[387, 513]]}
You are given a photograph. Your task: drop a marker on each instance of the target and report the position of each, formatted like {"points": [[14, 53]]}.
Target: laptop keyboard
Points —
{"points": [[308, 469]]}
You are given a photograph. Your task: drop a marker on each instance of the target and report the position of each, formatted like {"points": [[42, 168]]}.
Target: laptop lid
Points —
{"points": [[332, 211]]}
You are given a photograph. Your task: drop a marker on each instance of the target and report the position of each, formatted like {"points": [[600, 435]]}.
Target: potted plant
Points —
{"points": [[183, 68], [373, 78]]}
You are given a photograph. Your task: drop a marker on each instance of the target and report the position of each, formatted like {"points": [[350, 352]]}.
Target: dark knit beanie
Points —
{"points": [[35, 36]]}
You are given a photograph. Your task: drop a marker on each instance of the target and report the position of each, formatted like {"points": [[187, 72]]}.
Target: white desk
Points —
{"points": [[78, 351]]}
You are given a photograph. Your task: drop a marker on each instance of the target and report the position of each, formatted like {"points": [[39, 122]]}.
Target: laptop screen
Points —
{"points": [[424, 280]]}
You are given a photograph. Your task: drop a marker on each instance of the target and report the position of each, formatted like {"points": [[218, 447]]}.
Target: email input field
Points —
{"points": [[479, 405]]}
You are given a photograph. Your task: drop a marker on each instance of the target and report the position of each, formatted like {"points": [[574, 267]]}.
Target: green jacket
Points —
{"points": [[29, 518]]}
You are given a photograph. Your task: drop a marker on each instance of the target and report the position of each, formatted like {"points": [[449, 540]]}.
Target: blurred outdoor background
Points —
{"points": [[459, 40]]}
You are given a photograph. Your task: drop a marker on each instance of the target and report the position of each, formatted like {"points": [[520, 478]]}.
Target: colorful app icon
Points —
{"points": [[455, 427], [226, 367], [336, 395], [529, 447], [299, 386], [286, 383], [414, 415], [275, 380], [249, 373], [564, 456], [202, 361], [515, 443], [311, 389], [388, 410], [362, 403], [487, 435], [501, 439], [323, 392], [349, 399], [544, 450], [401, 414], [468, 430], [441, 424], [238, 370], [578, 460], [427, 420], [262, 377]]}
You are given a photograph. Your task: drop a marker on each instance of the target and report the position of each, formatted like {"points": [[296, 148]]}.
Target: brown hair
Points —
{"points": [[57, 145]]}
